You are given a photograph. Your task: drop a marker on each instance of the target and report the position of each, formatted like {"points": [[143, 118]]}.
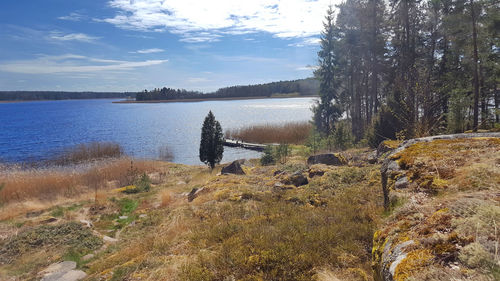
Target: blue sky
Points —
{"points": [[131, 45]]}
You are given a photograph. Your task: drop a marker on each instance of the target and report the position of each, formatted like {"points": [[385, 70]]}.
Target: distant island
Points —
{"points": [[294, 88], [60, 95]]}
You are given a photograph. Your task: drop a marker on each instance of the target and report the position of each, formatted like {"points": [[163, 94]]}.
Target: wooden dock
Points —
{"points": [[245, 145]]}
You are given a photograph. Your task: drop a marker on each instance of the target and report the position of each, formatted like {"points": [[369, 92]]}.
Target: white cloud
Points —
{"points": [[82, 37], [148, 51], [73, 17], [190, 18], [72, 64], [311, 41]]}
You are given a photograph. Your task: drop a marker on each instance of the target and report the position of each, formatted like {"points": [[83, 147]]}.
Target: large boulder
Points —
{"points": [[233, 168], [327, 159]]}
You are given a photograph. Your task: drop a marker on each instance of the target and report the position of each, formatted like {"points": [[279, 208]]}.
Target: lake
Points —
{"points": [[33, 131]]}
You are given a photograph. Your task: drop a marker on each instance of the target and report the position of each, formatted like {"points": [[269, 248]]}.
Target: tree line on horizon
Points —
{"points": [[60, 95], [303, 87], [408, 68]]}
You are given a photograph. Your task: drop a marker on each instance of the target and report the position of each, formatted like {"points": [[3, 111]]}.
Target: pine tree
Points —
{"points": [[327, 111], [211, 144]]}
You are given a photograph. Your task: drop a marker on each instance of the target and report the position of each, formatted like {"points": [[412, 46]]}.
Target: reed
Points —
{"points": [[53, 182], [291, 133], [87, 152]]}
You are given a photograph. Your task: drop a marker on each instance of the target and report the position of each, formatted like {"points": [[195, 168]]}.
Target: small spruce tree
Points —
{"points": [[212, 139]]}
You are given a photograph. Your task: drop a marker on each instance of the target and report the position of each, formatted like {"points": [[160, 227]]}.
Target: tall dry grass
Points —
{"points": [[292, 133], [87, 152], [54, 182]]}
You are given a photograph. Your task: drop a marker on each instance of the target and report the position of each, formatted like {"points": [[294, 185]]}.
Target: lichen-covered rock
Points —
{"points": [[297, 179], [387, 146], [332, 159], [313, 172], [233, 168]]}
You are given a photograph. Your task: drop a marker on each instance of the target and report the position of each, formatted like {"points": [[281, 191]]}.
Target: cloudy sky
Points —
{"points": [[130, 45]]}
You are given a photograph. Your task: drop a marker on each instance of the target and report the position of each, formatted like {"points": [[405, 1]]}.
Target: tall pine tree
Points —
{"points": [[327, 111]]}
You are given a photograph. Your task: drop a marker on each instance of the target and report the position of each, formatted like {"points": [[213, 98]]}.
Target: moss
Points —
{"points": [[392, 144], [415, 261], [475, 255], [70, 234]]}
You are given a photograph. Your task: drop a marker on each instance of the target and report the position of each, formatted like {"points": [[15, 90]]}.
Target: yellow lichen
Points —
{"points": [[393, 144], [415, 261]]}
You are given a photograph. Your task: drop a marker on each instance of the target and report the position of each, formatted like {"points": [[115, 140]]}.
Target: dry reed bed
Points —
{"points": [[50, 183], [292, 133]]}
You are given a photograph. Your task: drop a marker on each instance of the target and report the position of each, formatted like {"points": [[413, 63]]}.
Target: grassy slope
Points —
{"points": [[253, 228]]}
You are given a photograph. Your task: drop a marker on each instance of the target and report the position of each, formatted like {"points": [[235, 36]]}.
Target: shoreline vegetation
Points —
{"points": [[277, 96], [290, 133]]}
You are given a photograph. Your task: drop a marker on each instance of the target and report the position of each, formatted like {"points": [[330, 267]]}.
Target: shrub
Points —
{"points": [[144, 183], [267, 158], [281, 152], [475, 256], [385, 126]]}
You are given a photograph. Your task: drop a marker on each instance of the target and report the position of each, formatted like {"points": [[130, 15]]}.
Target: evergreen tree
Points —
{"points": [[211, 144], [327, 111]]}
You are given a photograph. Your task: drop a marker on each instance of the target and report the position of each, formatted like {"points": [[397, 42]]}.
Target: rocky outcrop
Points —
{"points": [[331, 159], [424, 234], [233, 168]]}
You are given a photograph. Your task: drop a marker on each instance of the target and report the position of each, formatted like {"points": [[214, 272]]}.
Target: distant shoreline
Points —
{"points": [[212, 99], [19, 101]]}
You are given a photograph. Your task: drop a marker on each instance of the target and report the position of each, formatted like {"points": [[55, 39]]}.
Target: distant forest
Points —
{"points": [[302, 87], [52, 95]]}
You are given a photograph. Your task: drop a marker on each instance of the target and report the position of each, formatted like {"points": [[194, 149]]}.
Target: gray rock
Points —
{"points": [[233, 168], [108, 239], [402, 182], [63, 271], [123, 217], [327, 159], [296, 179], [87, 257]]}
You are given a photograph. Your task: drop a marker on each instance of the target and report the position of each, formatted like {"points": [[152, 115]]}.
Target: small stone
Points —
{"points": [[141, 216], [402, 182], [87, 223], [123, 217], [108, 239], [87, 257]]}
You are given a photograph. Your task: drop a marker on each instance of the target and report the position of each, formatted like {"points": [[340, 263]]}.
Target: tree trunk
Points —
{"points": [[475, 77]]}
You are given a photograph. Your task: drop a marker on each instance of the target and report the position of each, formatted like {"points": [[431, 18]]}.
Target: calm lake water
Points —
{"points": [[32, 131]]}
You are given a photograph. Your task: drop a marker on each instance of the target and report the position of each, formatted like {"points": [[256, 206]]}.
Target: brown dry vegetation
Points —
{"points": [[291, 133], [253, 227], [51, 183], [247, 227], [87, 152]]}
